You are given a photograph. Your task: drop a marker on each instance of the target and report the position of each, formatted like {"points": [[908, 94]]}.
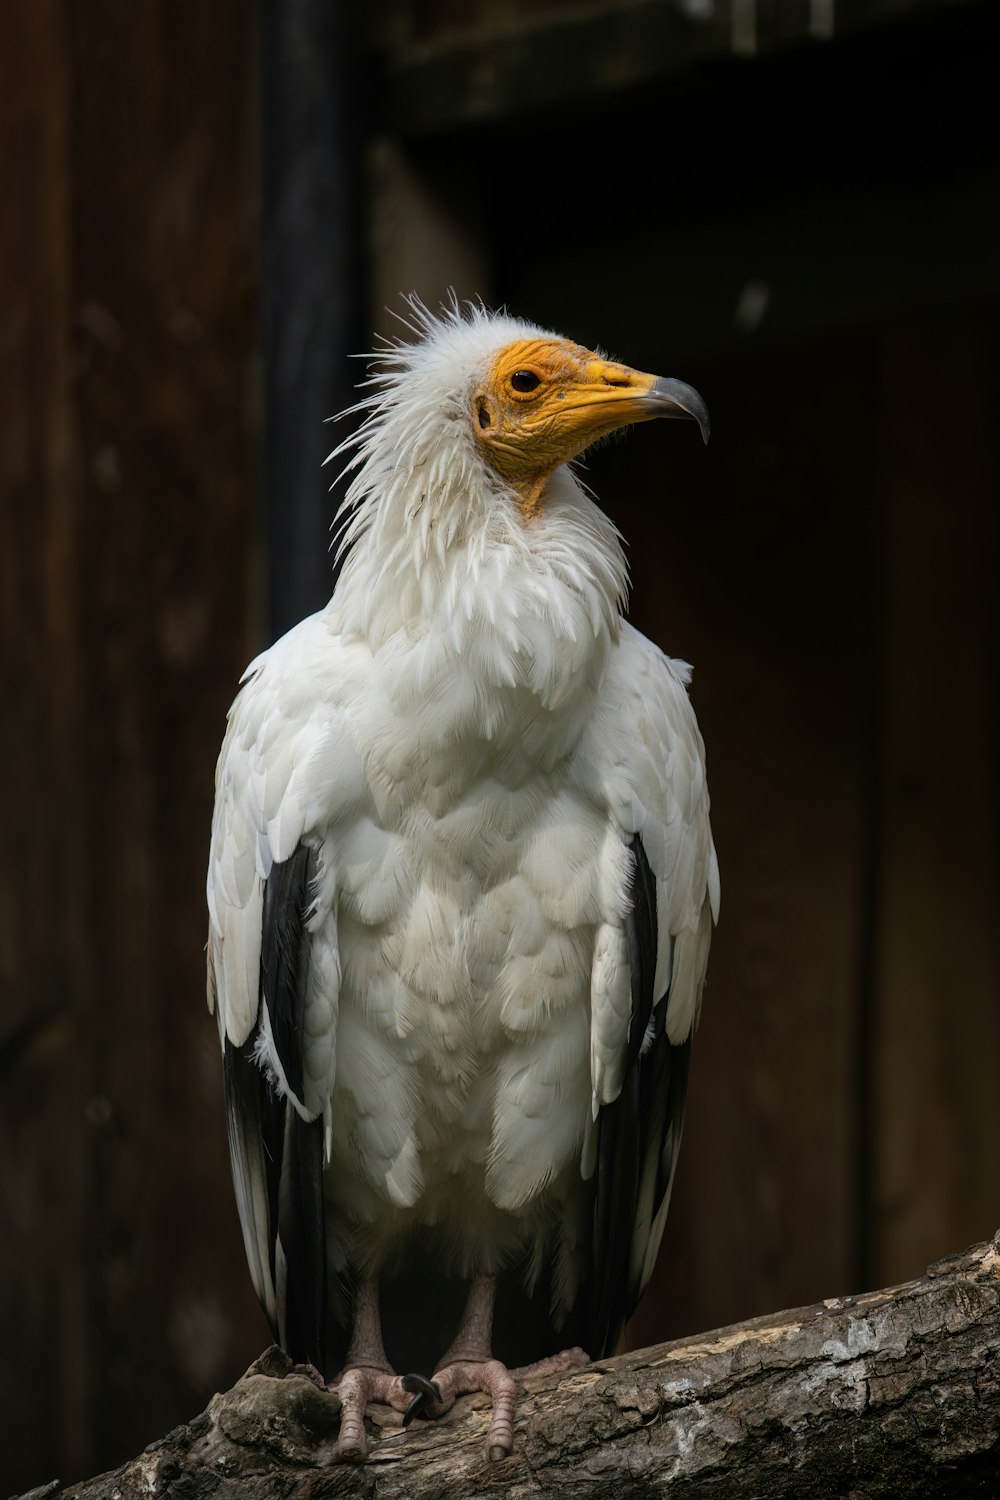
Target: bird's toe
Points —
{"points": [[357, 1389], [554, 1364], [494, 1379]]}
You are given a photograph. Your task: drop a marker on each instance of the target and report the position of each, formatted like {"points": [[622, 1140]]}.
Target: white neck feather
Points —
{"points": [[440, 552]]}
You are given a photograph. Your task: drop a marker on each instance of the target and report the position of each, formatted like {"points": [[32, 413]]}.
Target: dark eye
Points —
{"points": [[525, 380]]}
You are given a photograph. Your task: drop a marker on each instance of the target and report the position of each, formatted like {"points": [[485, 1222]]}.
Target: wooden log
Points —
{"points": [[885, 1394]]}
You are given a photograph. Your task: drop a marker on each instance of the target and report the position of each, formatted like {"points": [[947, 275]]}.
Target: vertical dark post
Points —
{"points": [[311, 282]]}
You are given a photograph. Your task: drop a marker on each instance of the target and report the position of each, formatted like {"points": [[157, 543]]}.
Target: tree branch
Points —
{"points": [[887, 1394]]}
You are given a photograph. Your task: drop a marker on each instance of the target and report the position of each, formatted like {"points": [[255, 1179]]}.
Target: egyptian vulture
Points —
{"points": [[461, 890]]}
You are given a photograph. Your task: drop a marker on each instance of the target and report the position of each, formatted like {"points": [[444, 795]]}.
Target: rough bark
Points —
{"points": [[886, 1394]]}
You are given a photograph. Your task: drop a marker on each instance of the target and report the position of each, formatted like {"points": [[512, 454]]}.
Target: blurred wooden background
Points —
{"points": [[794, 206]]}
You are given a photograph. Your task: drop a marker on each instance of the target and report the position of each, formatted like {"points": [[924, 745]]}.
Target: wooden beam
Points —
{"points": [[495, 67], [888, 1394]]}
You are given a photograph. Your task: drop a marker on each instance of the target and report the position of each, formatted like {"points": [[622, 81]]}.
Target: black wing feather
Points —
{"points": [[645, 1118], [255, 1122], [271, 1145], [284, 957], [301, 1232]]}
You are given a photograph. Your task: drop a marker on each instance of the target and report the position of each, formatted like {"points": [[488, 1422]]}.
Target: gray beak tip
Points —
{"points": [[675, 399]]}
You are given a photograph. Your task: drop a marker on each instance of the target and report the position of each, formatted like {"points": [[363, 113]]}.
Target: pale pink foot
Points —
{"points": [[368, 1376], [469, 1366], [462, 1376], [358, 1386]]}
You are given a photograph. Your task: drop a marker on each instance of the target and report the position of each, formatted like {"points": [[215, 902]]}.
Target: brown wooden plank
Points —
{"points": [[937, 1023], [45, 961], [164, 281], [129, 554]]}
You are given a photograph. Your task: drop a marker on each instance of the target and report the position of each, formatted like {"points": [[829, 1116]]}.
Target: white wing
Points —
{"points": [[645, 750], [287, 763]]}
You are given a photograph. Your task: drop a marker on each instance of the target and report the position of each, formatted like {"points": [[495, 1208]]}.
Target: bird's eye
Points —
{"points": [[525, 380]]}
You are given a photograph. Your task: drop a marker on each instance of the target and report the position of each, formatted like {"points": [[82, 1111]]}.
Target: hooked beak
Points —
{"points": [[546, 401], [614, 395], [672, 398]]}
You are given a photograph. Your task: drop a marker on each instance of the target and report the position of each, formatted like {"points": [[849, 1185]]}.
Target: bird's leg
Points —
{"points": [[469, 1365], [367, 1375]]}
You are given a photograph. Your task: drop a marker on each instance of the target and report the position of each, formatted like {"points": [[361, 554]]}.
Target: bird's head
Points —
{"points": [[543, 400], [482, 407]]}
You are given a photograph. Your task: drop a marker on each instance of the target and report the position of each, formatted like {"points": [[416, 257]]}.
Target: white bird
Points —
{"points": [[461, 891]]}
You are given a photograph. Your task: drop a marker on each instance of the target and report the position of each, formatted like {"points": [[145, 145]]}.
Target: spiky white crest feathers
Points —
{"points": [[436, 537]]}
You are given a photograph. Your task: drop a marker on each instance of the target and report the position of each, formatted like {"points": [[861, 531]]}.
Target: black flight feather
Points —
{"points": [[277, 1156], [638, 1132]]}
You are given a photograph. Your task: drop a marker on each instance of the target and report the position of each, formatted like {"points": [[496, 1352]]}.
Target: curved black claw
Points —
{"points": [[425, 1391]]}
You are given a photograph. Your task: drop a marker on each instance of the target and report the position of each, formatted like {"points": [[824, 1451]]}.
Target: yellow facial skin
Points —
{"points": [[545, 400]]}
